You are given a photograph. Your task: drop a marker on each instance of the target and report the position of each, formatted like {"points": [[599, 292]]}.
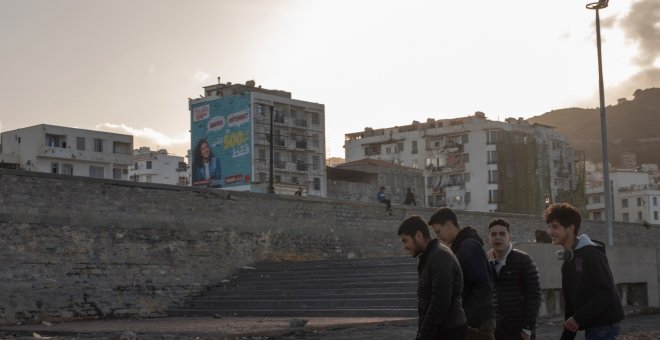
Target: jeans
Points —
{"points": [[607, 332]]}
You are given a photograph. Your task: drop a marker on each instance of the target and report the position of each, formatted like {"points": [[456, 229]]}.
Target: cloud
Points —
{"points": [[177, 145], [642, 26], [201, 76], [644, 79]]}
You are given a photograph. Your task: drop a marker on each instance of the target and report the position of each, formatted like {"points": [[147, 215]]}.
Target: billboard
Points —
{"points": [[221, 141]]}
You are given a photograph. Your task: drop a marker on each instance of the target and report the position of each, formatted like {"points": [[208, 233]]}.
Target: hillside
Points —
{"points": [[632, 125]]}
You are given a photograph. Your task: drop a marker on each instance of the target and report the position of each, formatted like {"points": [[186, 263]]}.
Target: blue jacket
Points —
{"points": [[214, 169]]}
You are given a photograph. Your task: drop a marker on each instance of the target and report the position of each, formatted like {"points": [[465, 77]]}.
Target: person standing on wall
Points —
{"points": [[517, 285], [591, 300], [410, 198], [382, 198], [477, 276], [440, 284]]}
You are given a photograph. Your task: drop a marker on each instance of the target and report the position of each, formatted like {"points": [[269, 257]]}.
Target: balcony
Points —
{"points": [[302, 167], [86, 156]]}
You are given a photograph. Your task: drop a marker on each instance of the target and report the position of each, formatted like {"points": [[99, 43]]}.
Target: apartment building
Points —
{"points": [[634, 198], [231, 131], [68, 151], [158, 167], [473, 163]]}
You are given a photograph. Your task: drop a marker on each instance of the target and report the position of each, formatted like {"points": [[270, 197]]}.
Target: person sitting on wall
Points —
{"points": [[299, 192], [382, 198], [206, 167], [410, 198]]}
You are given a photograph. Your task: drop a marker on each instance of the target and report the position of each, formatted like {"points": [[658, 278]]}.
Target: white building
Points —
{"points": [[69, 151], [158, 167], [476, 164], [634, 198], [298, 136]]}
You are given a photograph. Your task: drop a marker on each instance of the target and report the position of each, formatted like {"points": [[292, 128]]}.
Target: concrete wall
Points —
{"points": [[73, 247]]}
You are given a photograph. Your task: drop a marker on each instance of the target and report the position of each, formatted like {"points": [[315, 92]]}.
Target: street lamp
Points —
{"points": [[603, 126]]}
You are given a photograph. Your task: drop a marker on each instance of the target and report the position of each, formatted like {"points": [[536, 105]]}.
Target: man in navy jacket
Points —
{"points": [[592, 302]]}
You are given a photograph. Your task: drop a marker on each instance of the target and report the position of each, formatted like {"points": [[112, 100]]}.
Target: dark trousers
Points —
{"points": [[388, 204], [457, 333]]}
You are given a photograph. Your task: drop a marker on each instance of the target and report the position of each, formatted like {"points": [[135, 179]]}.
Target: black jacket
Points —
{"points": [[440, 285], [477, 277], [590, 295], [517, 295]]}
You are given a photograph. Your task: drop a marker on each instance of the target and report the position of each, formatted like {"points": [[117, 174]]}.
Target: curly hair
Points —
{"points": [[565, 214]]}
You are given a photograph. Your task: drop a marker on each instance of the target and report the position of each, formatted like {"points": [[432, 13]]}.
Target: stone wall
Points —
{"points": [[73, 247]]}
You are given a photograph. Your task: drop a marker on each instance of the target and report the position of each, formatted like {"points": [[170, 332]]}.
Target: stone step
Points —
{"points": [[295, 312], [355, 287]]}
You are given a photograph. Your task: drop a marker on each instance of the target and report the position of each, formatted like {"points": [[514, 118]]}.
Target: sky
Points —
{"points": [[129, 66]]}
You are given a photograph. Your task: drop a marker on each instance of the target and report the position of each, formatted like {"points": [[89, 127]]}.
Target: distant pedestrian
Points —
{"points": [[382, 198], [591, 300], [477, 277], [299, 192], [517, 296], [440, 284], [410, 198]]}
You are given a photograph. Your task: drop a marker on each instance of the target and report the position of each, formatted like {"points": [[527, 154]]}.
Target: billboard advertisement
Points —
{"points": [[221, 141]]}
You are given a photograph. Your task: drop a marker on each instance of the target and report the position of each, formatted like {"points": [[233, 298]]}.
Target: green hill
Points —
{"points": [[632, 126]]}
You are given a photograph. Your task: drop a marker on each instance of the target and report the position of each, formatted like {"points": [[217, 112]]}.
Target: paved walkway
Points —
{"points": [[322, 328]]}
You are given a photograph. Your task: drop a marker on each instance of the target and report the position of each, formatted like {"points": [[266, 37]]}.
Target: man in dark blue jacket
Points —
{"points": [[517, 285], [592, 302], [477, 277], [440, 284]]}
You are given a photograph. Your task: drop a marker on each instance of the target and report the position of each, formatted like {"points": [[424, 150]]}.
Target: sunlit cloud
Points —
{"points": [[201, 76], [177, 145], [641, 26]]}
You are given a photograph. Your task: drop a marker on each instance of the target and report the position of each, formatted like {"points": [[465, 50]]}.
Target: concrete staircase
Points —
{"points": [[345, 287]]}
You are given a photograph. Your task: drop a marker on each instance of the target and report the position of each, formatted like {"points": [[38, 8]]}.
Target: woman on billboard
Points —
{"points": [[206, 166]]}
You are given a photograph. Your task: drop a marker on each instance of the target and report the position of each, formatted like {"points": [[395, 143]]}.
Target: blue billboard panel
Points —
{"points": [[221, 138]]}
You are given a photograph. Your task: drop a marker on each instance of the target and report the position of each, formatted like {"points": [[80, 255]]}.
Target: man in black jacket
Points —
{"points": [[440, 284], [517, 285], [477, 277], [592, 302]]}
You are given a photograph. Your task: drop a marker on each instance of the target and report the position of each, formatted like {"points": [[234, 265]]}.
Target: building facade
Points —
{"points": [[69, 151], [472, 163], [158, 167], [235, 121], [634, 198]]}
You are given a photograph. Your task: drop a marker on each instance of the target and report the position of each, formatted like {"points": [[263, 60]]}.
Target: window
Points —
{"points": [[414, 147], [468, 197], [55, 141], [316, 162], [80, 143], [116, 173], [55, 168], [135, 166], [96, 171], [315, 141], [595, 199], [655, 201], [388, 150], [492, 157], [492, 137], [596, 216], [67, 169], [624, 203], [466, 158], [315, 117], [98, 145], [466, 177], [639, 201], [639, 215], [655, 215], [148, 164], [625, 217], [260, 109], [317, 183], [294, 180], [399, 147], [493, 196], [493, 176]]}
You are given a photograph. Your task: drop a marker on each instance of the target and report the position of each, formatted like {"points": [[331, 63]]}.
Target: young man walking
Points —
{"points": [[592, 302], [477, 278], [517, 296], [440, 284]]}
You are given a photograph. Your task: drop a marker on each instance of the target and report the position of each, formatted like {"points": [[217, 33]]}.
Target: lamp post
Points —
{"points": [[271, 188], [603, 126]]}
